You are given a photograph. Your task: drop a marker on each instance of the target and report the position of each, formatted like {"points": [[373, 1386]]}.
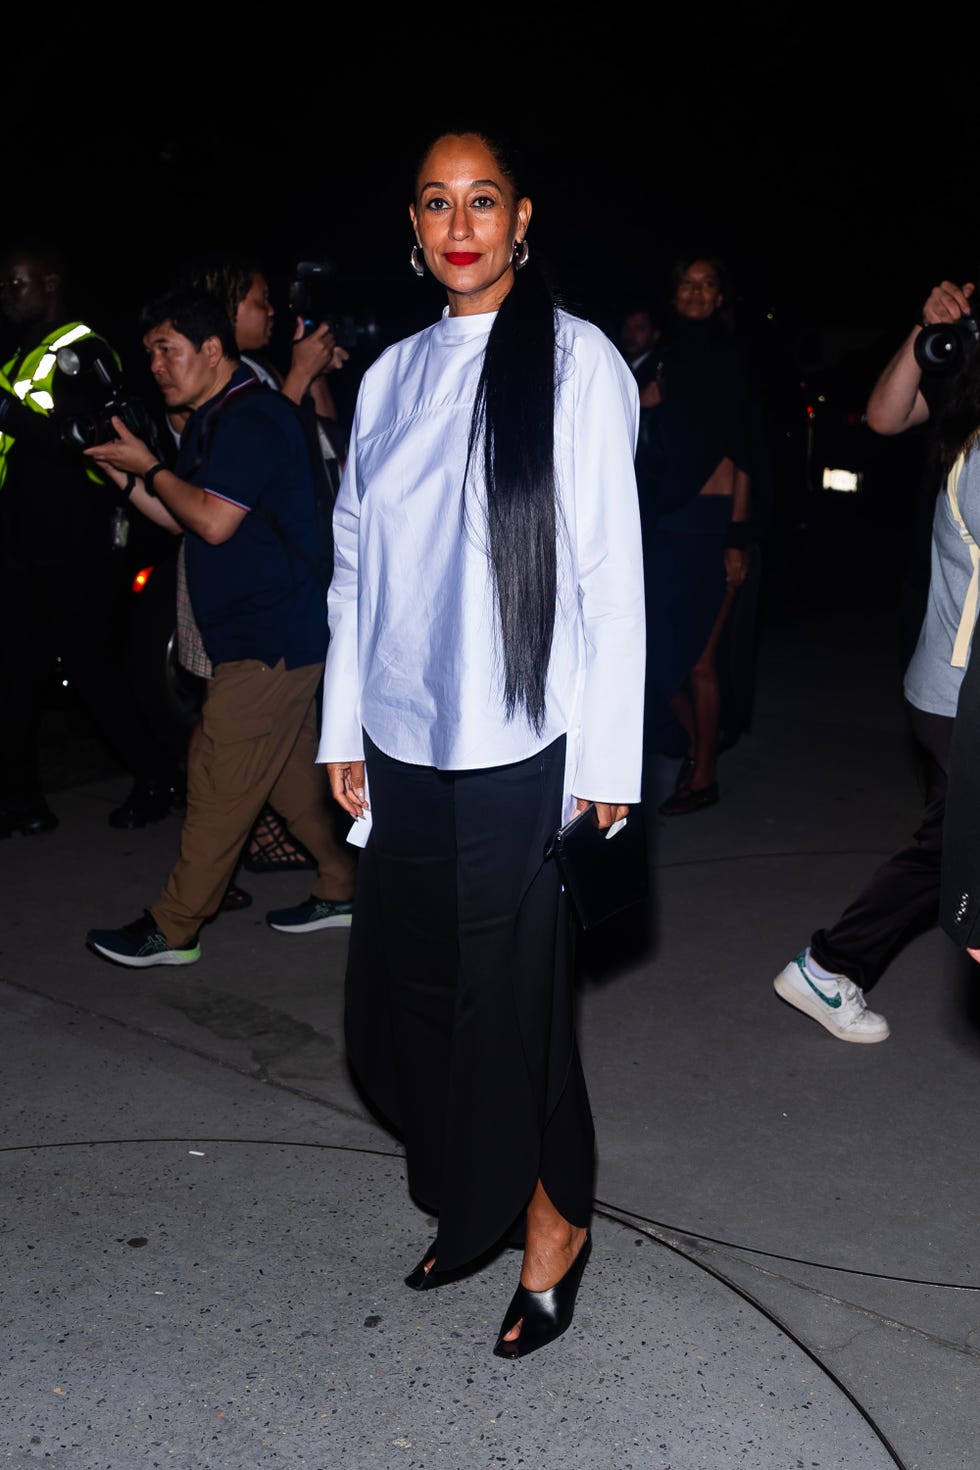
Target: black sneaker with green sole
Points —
{"points": [[314, 913], [141, 944]]}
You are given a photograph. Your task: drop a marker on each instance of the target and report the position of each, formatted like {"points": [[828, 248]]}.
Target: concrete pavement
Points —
{"points": [[205, 1231]]}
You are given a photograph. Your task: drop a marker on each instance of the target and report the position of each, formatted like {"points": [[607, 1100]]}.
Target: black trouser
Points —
{"points": [[72, 609], [901, 898], [959, 889]]}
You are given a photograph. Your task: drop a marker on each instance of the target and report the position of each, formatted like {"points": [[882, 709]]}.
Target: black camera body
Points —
{"points": [[311, 298], [946, 346], [97, 383], [84, 430]]}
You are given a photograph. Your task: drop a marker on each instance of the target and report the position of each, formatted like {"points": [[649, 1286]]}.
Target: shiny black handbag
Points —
{"points": [[603, 871]]}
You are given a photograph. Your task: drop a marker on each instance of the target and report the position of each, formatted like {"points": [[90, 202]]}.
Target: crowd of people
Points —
{"points": [[430, 636]]}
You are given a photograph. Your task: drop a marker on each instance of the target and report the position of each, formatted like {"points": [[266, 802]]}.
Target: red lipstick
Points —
{"points": [[459, 257]]}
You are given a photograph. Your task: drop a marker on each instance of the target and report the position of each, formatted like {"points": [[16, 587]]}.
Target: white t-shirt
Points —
{"points": [[414, 652]]}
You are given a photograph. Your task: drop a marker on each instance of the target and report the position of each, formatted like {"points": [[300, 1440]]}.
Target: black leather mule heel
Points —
{"points": [[420, 1279], [543, 1315]]}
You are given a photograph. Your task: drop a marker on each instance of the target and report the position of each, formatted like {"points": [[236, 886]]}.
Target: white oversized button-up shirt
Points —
{"points": [[414, 655]]}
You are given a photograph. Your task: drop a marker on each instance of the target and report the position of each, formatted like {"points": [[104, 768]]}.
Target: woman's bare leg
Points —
{"points": [[706, 702], [682, 708]]}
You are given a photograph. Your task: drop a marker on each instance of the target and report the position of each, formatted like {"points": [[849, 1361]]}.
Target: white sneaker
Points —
{"points": [[837, 1004]]}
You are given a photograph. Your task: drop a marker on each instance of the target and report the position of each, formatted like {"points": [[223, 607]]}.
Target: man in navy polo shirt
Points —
{"points": [[242, 491]]}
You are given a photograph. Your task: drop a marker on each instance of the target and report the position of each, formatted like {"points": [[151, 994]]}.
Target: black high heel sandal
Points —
{"points": [[691, 799], [684, 775], [543, 1315]]}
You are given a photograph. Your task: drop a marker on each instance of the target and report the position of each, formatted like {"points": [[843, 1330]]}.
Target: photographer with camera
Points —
{"points": [[315, 353], [242, 489], [239, 281], [934, 377], [62, 581]]}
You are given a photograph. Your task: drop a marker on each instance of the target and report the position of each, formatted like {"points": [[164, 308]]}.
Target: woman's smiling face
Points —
{"points": [[467, 219]]}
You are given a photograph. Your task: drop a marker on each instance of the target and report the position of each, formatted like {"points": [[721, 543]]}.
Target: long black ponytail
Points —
{"points": [[515, 412]]}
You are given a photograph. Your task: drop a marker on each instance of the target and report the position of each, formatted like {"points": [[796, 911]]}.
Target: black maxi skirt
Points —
{"points": [[459, 1020]]}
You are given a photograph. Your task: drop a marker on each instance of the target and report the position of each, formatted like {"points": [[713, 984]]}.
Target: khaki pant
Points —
{"points": [[256, 742]]}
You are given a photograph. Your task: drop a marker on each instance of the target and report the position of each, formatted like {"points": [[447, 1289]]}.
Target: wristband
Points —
{"points": [[129, 486], [149, 476]]}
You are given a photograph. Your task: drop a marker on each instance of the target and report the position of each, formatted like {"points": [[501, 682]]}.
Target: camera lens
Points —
{"points": [[80, 433], [68, 361], [938, 349]]}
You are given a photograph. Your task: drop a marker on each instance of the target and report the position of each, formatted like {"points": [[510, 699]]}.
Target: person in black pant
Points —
{"points": [[61, 579], [827, 979], [959, 885]]}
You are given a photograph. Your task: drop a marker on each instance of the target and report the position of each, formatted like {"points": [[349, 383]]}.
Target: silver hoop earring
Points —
{"points": [[522, 254], [418, 261]]}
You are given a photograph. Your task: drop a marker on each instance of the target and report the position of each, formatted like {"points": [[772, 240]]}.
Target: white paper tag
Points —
{"points": [[360, 831]]}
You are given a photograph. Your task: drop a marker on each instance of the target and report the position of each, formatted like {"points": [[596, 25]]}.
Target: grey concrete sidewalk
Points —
{"points": [[205, 1231]]}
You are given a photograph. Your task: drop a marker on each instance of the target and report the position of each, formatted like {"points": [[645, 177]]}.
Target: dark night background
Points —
{"points": [[831, 168]]}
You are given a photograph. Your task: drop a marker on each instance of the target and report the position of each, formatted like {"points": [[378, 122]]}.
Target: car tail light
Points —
{"points": [[848, 482]]}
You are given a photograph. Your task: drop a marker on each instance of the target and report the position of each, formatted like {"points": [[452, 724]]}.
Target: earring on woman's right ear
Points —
{"points": [[418, 261]]}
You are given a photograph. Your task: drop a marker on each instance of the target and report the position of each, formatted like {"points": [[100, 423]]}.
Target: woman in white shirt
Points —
{"points": [[484, 680]]}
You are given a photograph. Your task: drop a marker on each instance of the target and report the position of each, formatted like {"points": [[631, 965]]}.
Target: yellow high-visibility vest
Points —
{"points": [[30, 379]]}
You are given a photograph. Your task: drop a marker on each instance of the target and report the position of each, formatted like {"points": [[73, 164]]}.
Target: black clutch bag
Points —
{"points": [[604, 871]]}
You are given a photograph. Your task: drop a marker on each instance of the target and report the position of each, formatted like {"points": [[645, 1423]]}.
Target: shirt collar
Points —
{"points": [[240, 376], [464, 328]]}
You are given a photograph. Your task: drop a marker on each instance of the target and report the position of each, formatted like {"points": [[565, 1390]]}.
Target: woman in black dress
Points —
{"points": [[695, 498]]}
